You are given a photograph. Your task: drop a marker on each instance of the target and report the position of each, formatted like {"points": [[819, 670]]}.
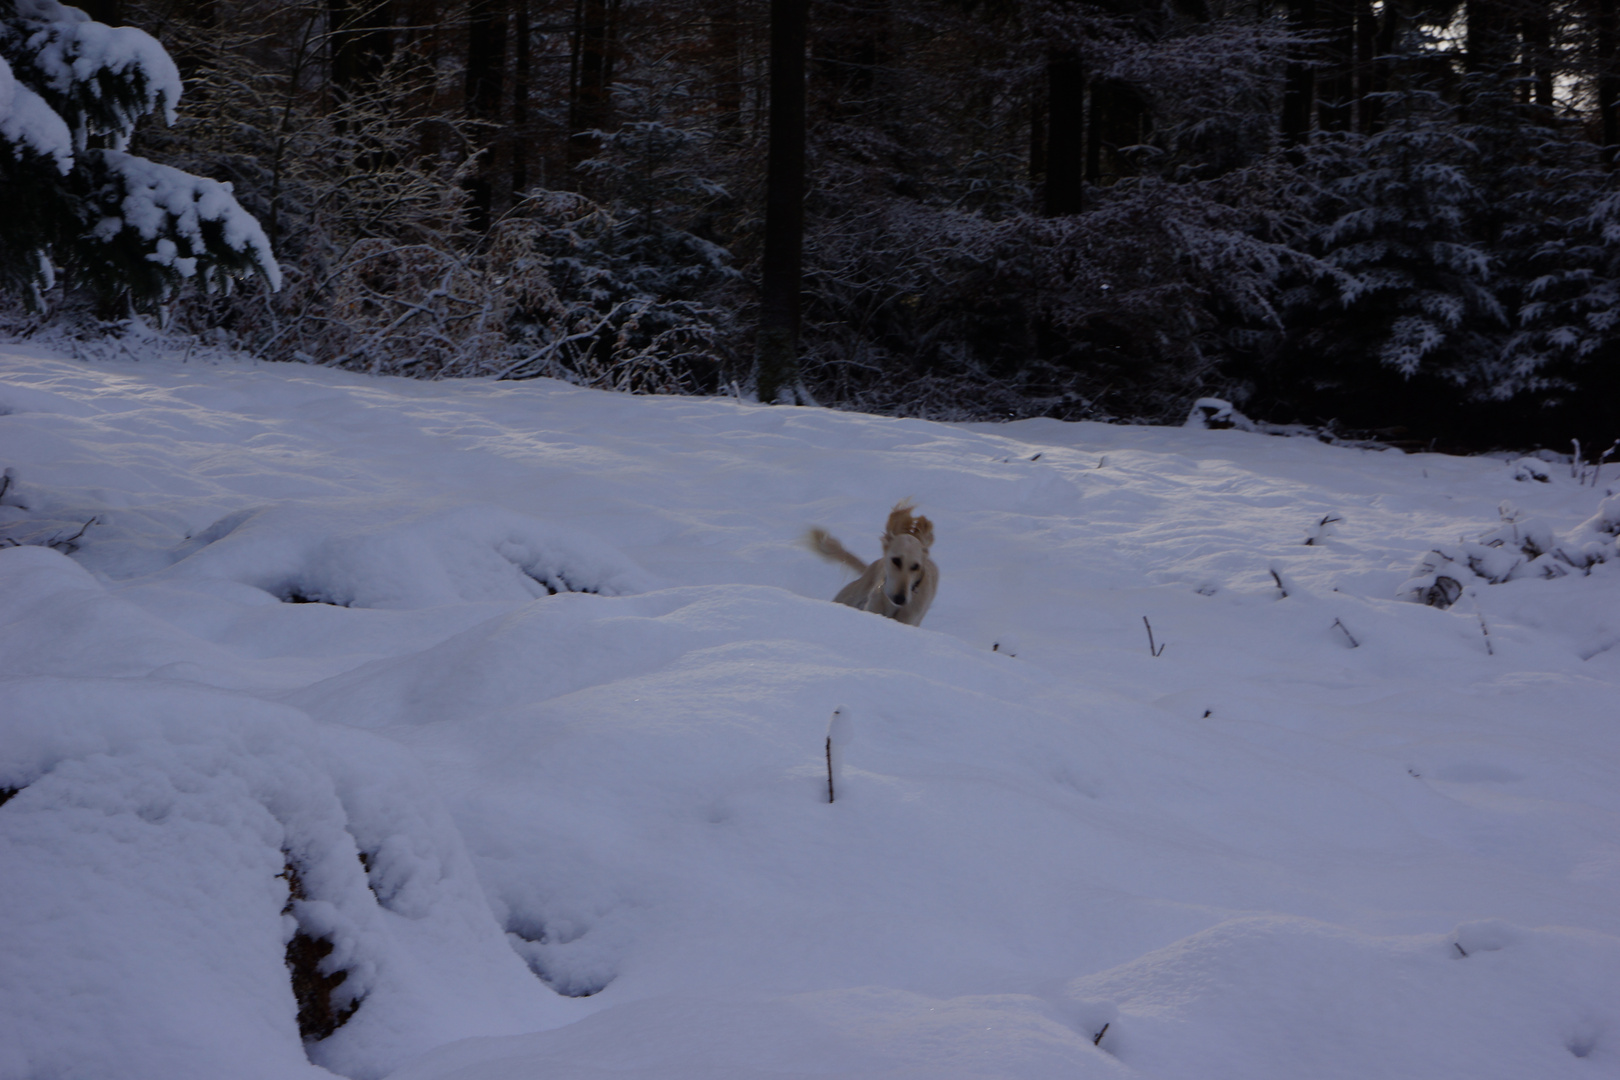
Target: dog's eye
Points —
{"points": [[915, 566], [895, 560]]}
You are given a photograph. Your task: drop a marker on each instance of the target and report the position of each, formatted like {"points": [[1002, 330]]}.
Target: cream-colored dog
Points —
{"points": [[901, 584]]}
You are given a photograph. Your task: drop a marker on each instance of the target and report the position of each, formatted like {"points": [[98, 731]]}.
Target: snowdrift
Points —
{"points": [[390, 729]]}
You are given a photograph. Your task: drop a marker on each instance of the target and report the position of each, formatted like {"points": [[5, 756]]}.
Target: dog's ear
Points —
{"points": [[923, 530], [900, 521]]}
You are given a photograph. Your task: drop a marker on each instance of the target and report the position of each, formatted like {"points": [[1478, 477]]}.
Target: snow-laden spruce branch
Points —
{"points": [[134, 231]]}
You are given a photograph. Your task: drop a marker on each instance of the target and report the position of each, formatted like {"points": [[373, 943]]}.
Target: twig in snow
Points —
{"points": [[829, 770], [1460, 950], [1097, 1039], [1321, 528], [1483, 628], [1159, 651], [839, 732], [1280, 586], [5, 483], [1354, 644], [67, 545], [1602, 458]]}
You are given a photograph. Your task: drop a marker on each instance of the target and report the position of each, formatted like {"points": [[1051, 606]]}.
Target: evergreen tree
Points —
{"points": [[129, 230], [1412, 295]]}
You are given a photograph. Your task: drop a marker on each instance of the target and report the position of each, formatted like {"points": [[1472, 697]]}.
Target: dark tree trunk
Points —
{"points": [[1065, 145], [1336, 86], [850, 49], [1118, 117], [1490, 37], [725, 40], [342, 54], [521, 75], [1037, 139], [485, 80], [360, 43], [1536, 28], [1094, 134], [1299, 80], [1377, 37], [1366, 51], [1608, 77], [486, 58], [777, 348], [590, 99]]}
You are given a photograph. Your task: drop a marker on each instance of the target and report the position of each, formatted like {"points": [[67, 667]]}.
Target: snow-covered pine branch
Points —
{"points": [[133, 231]]}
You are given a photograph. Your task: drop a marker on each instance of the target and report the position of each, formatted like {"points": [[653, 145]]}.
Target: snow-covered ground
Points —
{"points": [[586, 834]]}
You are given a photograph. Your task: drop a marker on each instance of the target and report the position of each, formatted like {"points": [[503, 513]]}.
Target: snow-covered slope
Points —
{"points": [[542, 754]]}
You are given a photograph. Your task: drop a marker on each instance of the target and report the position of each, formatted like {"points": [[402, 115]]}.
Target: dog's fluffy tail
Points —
{"points": [[823, 544]]}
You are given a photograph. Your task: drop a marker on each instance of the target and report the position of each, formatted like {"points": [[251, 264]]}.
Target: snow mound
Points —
{"points": [[1268, 996], [399, 554], [862, 1033], [147, 845]]}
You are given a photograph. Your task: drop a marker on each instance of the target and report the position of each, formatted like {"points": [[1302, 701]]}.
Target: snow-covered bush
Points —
{"points": [[1518, 548], [130, 230], [361, 188], [406, 309], [1217, 414], [624, 303]]}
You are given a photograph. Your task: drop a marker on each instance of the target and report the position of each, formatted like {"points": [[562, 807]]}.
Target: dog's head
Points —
{"points": [[906, 541]]}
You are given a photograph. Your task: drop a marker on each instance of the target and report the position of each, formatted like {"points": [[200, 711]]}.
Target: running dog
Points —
{"points": [[901, 584]]}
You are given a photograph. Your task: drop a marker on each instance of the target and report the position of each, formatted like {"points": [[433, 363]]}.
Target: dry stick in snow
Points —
{"points": [[61, 542], [829, 770], [1354, 644], [1483, 629], [1159, 651], [1280, 586], [1602, 458], [1098, 1039], [1321, 528], [842, 733]]}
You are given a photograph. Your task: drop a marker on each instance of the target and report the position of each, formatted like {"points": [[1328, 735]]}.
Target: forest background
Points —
{"points": [[1386, 219]]}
